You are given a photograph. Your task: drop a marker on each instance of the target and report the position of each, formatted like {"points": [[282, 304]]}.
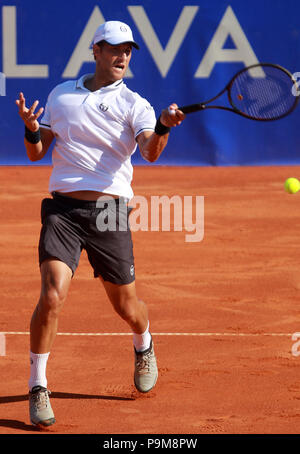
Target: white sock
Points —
{"points": [[38, 363], [142, 341]]}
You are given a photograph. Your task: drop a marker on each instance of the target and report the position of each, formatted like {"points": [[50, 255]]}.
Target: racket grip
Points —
{"points": [[191, 108]]}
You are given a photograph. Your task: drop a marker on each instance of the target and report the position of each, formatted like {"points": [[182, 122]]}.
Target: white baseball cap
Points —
{"points": [[114, 32]]}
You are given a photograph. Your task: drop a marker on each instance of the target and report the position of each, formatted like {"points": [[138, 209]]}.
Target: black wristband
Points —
{"points": [[161, 129], [32, 137]]}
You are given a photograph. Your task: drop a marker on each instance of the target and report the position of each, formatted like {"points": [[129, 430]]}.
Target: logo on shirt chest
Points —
{"points": [[103, 107]]}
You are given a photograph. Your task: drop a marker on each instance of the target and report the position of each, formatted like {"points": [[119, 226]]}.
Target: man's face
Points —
{"points": [[112, 61]]}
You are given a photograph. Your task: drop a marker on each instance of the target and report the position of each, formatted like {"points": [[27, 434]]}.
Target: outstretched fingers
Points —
{"points": [[21, 102], [32, 115], [29, 116], [39, 112]]}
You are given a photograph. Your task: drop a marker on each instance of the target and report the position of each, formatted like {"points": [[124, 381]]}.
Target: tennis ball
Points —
{"points": [[292, 185]]}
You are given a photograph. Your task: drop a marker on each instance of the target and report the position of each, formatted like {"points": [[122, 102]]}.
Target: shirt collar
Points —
{"points": [[113, 86]]}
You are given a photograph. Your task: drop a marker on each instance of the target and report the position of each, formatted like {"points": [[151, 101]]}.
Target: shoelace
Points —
{"points": [[41, 399], [143, 362]]}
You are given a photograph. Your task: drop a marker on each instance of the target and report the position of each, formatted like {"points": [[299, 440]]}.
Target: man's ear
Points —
{"points": [[96, 50]]}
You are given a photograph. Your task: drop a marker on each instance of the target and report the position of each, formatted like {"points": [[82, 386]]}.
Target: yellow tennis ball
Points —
{"points": [[292, 185]]}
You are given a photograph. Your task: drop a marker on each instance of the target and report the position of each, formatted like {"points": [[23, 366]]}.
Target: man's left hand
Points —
{"points": [[172, 116]]}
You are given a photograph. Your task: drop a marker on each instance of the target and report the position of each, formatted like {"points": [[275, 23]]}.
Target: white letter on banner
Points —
{"points": [[82, 52], [10, 66], [229, 25], [295, 87], [2, 84], [163, 57]]}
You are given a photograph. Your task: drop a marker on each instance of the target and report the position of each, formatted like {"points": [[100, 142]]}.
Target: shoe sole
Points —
{"points": [[44, 424]]}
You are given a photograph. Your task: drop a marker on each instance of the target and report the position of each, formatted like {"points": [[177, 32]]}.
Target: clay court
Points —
{"points": [[222, 311]]}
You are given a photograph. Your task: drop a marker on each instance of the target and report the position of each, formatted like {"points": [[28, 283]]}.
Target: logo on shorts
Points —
{"points": [[132, 270], [103, 107]]}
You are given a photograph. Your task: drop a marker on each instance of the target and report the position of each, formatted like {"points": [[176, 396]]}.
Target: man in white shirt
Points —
{"points": [[97, 123]]}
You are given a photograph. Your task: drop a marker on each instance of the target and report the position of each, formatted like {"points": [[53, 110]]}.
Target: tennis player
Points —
{"points": [[97, 123]]}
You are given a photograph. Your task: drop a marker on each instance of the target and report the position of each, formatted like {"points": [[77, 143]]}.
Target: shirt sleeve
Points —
{"points": [[45, 121], [46, 118], [142, 117]]}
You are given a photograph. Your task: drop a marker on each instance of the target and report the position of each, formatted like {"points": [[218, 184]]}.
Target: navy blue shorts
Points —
{"points": [[70, 225]]}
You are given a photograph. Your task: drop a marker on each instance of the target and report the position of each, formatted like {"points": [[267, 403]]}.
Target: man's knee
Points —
{"points": [[56, 277], [51, 302], [127, 308]]}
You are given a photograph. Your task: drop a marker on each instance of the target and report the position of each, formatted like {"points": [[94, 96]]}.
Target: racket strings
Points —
{"points": [[265, 97]]}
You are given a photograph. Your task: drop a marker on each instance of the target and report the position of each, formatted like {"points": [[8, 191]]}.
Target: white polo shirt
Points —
{"points": [[95, 136]]}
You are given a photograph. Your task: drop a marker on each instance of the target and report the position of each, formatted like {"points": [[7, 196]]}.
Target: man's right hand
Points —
{"points": [[28, 115]]}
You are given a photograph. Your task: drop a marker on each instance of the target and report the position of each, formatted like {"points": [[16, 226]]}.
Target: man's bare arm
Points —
{"points": [[152, 144]]}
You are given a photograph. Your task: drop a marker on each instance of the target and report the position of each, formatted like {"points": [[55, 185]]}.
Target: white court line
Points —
{"points": [[23, 333]]}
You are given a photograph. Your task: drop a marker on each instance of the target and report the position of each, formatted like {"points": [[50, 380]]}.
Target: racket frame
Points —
{"points": [[191, 108]]}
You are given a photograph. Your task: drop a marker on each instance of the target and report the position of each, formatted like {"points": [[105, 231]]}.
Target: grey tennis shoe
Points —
{"points": [[40, 410], [145, 373]]}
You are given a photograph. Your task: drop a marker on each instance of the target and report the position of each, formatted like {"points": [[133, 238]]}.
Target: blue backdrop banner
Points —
{"points": [[188, 51]]}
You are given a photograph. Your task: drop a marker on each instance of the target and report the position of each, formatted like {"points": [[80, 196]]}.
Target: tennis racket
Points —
{"points": [[262, 92]]}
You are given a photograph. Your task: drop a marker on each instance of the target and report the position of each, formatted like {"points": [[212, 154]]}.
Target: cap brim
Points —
{"points": [[123, 42]]}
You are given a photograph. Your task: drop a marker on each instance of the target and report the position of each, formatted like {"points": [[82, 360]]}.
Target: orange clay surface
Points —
{"points": [[238, 289]]}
